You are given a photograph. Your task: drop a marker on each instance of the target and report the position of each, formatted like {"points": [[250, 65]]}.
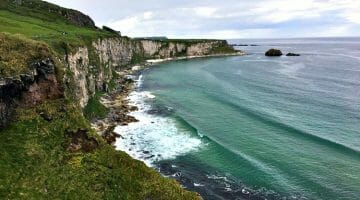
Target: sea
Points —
{"points": [[254, 127]]}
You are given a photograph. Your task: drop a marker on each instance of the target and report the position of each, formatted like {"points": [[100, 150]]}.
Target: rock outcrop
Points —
{"points": [[292, 54], [81, 81], [28, 89], [78, 18], [273, 52]]}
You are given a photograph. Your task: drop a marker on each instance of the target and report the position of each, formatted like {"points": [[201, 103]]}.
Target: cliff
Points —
{"points": [[54, 65], [113, 54]]}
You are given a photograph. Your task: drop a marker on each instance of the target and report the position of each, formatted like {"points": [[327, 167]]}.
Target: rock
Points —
{"points": [[273, 52], [149, 157], [146, 152], [28, 90], [109, 135], [80, 141], [78, 18], [292, 54], [133, 108]]}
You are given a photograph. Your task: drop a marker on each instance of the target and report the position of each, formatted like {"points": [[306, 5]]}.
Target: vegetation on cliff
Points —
{"points": [[17, 53], [40, 160], [49, 150]]}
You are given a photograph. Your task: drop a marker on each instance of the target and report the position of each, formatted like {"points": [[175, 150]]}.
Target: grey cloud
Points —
{"points": [[224, 19]]}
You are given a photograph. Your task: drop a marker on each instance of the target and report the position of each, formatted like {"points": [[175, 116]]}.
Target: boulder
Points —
{"points": [[273, 52], [110, 136], [292, 54]]}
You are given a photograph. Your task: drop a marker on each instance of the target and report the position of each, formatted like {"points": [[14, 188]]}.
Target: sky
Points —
{"points": [[224, 19]]}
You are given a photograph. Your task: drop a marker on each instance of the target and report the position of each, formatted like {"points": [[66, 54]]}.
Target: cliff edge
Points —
{"points": [[54, 64]]}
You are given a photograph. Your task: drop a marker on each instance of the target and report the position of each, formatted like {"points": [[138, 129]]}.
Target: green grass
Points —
{"points": [[39, 9], [17, 53], [54, 33], [35, 165], [222, 49], [94, 108]]}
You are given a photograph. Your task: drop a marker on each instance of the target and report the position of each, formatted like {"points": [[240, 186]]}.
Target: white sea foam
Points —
{"points": [[154, 137], [198, 185]]}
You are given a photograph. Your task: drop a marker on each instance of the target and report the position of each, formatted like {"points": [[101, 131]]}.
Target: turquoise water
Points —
{"points": [[284, 127]]}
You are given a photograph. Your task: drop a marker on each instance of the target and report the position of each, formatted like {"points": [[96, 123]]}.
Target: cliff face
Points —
{"points": [[82, 84], [112, 54], [28, 89], [91, 69], [167, 49]]}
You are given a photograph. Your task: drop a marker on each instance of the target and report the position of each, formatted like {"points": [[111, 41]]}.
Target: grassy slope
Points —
{"points": [[13, 60], [33, 161], [35, 165]]}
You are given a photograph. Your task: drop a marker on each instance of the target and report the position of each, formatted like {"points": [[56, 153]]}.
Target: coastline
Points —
{"points": [[118, 103], [122, 107]]}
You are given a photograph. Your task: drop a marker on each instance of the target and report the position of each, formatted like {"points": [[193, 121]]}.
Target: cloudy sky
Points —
{"points": [[224, 19]]}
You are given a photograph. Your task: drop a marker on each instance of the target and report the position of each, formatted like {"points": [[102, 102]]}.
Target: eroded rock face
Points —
{"points": [[80, 141], [115, 53], [29, 89], [159, 49], [78, 18], [273, 52], [110, 136], [79, 65]]}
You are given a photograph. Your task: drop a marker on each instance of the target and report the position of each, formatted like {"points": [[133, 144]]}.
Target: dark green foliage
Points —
{"points": [[222, 49], [94, 108], [108, 29], [137, 58]]}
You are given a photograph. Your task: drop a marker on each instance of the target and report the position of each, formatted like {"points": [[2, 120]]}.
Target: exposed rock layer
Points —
{"points": [[90, 69], [29, 90]]}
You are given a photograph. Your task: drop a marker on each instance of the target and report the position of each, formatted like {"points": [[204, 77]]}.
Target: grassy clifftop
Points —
{"points": [[45, 159], [47, 12], [50, 150], [42, 21]]}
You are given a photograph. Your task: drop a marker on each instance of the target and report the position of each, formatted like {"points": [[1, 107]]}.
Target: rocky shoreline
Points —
{"points": [[118, 104], [119, 115]]}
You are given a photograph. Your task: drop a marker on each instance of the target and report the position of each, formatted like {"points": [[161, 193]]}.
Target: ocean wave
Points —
{"points": [[154, 137], [288, 128]]}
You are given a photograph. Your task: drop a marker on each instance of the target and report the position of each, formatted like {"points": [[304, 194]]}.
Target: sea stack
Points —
{"points": [[292, 54], [273, 52]]}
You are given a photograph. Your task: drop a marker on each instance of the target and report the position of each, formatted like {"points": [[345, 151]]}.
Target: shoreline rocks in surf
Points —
{"points": [[156, 136]]}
